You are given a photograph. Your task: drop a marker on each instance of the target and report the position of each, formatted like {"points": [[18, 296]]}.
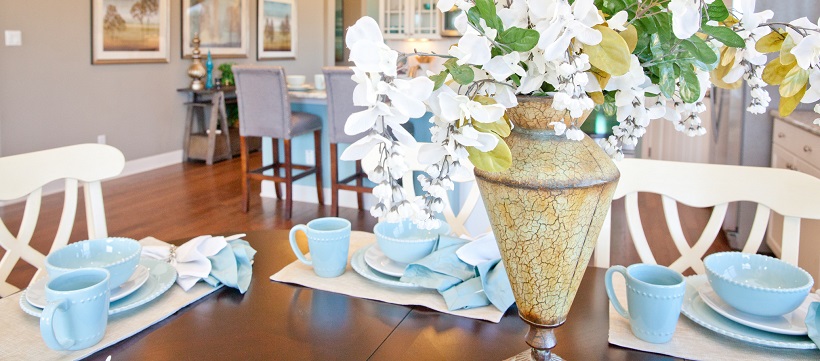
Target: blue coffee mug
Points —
{"points": [[76, 314], [328, 243], [654, 297]]}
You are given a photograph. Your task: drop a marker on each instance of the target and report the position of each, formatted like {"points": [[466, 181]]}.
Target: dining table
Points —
{"points": [[282, 321]]}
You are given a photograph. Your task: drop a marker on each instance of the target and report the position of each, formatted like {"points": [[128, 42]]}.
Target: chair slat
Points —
{"points": [[633, 219], [758, 230]]}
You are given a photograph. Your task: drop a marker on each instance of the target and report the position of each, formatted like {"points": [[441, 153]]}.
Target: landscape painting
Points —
{"points": [[277, 29], [130, 31], [222, 27]]}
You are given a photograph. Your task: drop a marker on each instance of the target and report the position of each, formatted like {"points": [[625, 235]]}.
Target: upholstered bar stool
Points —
{"points": [[264, 111], [339, 106]]}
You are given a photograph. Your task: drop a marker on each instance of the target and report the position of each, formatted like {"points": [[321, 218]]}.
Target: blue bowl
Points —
{"points": [[757, 284], [404, 242], [119, 256]]}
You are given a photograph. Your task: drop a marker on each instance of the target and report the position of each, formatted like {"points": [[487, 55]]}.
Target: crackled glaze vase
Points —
{"points": [[546, 211]]}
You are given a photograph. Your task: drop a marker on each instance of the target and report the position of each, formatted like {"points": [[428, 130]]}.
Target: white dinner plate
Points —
{"points": [[360, 266], [161, 276], [696, 310], [792, 323], [376, 259], [36, 292]]}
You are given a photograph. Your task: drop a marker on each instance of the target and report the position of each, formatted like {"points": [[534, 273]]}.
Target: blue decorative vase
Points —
{"points": [[209, 65]]}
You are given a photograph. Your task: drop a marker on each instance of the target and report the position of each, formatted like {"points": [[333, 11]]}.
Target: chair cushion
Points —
{"points": [[302, 123]]}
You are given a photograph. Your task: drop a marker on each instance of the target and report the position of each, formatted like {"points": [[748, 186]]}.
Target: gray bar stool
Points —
{"points": [[264, 111]]}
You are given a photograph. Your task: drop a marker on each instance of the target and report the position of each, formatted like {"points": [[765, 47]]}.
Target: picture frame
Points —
{"points": [[130, 31], [222, 27], [277, 30]]}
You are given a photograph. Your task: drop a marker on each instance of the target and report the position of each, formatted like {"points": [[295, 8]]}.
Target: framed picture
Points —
{"points": [[276, 33], [130, 31], [222, 26]]}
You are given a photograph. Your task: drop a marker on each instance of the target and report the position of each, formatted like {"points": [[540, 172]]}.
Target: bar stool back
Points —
{"points": [[264, 111]]}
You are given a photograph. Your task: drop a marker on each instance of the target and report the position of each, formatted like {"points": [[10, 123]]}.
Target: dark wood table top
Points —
{"points": [[277, 321]]}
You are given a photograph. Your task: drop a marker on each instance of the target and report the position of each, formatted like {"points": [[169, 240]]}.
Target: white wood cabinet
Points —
{"points": [[410, 19], [797, 148]]}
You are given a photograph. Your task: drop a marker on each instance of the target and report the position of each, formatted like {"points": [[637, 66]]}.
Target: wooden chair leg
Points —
{"points": [[288, 180], [243, 149], [359, 182], [334, 181], [317, 144], [209, 155], [276, 163], [186, 137]]}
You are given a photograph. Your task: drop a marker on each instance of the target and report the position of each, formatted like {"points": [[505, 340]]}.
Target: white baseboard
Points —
{"points": [[307, 194], [131, 167]]}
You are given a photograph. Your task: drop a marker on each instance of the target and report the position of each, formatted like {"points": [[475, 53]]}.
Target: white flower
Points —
{"points": [[807, 51], [800, 23], [573, 133], [368, 50], [502, 66], [749, 19], [559, 127], [817, 110], [685, 17], [460, 107], [515, 15], [558, 23], [618, 21], [472, 48], [813, 93]]}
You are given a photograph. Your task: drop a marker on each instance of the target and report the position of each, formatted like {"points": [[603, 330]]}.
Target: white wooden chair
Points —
{"points": [[24, 175], [792, 194]]}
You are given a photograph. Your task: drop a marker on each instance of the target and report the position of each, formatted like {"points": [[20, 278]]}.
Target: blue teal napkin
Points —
{"points": [[462, 285], [813, 322], [231, 266]]}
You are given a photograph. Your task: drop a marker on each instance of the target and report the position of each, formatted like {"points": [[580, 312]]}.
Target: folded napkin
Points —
{"points": [[215, 260], [813, 322], [461, 284]]}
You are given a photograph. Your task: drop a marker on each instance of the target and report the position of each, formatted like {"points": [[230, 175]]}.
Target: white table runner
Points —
{"points": [[694, 342], [352, 284], [20, 333]]}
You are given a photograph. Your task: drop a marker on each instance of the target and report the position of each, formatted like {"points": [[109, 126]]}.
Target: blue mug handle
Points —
{"points": [[47, 325], [295, 247], [610, 292]]}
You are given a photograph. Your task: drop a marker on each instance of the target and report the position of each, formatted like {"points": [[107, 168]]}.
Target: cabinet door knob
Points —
{"points": [[807, 149], [781, 135]]}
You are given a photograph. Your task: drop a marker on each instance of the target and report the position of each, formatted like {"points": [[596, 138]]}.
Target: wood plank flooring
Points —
{"points": [[190, 199]]}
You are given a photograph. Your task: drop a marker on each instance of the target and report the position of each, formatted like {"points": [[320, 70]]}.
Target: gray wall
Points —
{"points": [[51, 95]]}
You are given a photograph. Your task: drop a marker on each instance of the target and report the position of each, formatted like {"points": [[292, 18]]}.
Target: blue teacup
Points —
{"points": [[654, 297], [328, 242], [77, 310]]}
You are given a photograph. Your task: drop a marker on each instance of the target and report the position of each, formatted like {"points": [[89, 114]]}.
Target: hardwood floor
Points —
{"points": [[190, 199]]}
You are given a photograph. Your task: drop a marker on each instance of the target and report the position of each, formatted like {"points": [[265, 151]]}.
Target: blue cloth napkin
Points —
{"points": [[232, 266], [462, 285], [813, 322]]}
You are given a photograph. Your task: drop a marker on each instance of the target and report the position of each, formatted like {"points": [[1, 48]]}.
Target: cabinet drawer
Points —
{"points": [[802, 144]]}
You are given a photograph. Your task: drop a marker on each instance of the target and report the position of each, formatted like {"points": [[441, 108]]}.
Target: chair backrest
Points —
{"points": [[340, 87], [24, 175], [792, 194], [262, 97]]}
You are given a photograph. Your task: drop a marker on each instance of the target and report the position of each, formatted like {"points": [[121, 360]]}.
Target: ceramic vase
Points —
{"points": [[546, 211]]}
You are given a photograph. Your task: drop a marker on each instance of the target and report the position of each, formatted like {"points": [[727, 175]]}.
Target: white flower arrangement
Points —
{"points": [[638, 60]]}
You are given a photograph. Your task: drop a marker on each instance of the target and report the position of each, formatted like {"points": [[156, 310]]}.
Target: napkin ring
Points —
{"points": [[172, 255]]}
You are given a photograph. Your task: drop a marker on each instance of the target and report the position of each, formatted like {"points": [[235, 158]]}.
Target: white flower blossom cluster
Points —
{"points": [[748, 62]]}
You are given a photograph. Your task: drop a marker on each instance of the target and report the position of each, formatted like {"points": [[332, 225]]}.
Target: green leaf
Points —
{"points": [[724, 35], [496, 160], [611, 54], [664, 23], [771, 42], [646, 25], [518, 39], [499, 127], [486, 10], [689, 85], [786, 56], [795, 80], [439, 79], [717, 11], [700, 50], [462, 74], [667, 79]]}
